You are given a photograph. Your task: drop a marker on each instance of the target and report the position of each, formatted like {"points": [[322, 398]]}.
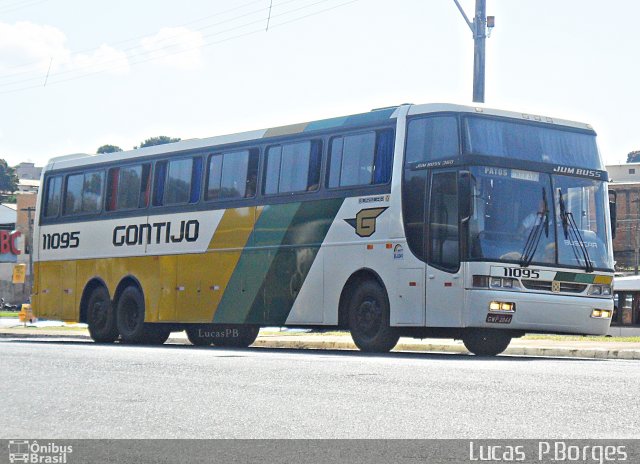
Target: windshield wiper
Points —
{"points": [[541, 223], [572, 233]]}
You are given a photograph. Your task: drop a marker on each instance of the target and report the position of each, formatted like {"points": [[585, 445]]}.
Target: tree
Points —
{"points": [[108, 149], [633, 157], [8, 180], [160, 140]]}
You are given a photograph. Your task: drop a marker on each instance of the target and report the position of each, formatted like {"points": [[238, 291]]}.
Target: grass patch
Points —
{"points": [[21, 326], [9, 313], [581, 338]]}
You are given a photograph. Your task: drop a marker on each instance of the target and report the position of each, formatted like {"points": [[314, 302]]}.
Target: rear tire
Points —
{"points": [[486, 342], [101, 317], [130, 318], [369, 319]]}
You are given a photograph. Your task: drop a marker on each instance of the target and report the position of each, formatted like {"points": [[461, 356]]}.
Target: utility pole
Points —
{"points": [[481, 23], [30, 210]]}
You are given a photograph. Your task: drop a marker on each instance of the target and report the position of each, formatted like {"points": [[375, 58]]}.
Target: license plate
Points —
{"points": [[499, 318]]}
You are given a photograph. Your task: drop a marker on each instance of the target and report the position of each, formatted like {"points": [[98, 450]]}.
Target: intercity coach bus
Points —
{"points": [[418, 220]]}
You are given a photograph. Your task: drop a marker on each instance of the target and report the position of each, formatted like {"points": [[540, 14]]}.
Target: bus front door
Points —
{"points": [[444, 283]]}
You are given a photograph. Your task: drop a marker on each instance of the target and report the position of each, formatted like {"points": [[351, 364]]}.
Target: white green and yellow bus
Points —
{"points": [[423, 221]]}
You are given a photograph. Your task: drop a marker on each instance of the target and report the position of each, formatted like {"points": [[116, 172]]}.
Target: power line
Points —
{"points": [[145, 59], [142, 51], [139, 37]]}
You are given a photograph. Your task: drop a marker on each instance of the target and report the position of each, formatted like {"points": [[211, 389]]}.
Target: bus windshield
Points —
{"points": [[517, 218], [507, 139]]}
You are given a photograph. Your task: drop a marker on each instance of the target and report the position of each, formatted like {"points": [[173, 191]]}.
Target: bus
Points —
{"points": [[626, 313], [435, 220]]}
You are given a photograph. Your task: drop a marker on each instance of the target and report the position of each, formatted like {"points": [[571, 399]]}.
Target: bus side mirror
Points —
{"points": [[613, 212], [465, 190]]}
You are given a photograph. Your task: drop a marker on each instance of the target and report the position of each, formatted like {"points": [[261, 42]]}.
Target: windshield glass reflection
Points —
{"points": [[512, 216], [519, 216]]}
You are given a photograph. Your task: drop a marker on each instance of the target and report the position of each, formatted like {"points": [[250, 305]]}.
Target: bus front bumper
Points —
{"points": [[538, 312]]}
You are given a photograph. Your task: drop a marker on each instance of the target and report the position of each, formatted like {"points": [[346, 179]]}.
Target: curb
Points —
{"points": [[269, 342]]}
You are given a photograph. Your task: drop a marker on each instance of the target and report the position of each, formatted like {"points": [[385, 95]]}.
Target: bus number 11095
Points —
{"points": [[518, 272]]}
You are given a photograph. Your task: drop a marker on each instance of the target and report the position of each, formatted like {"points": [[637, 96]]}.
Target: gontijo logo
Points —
{"points": [[365, 221]]}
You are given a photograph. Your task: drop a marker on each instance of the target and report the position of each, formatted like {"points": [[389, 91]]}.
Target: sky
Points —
{"points": [[75, 75]]}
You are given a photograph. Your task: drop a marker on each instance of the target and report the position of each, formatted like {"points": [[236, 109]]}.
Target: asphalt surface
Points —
{"points": [[75, 389]]}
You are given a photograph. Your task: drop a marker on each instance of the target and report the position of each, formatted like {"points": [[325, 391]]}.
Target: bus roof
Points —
{"points": [[344, 122]]}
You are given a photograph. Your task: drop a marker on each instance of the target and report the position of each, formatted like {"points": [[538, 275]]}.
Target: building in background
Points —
{"points": [[625, 181], [28, 171], [17, 221]]}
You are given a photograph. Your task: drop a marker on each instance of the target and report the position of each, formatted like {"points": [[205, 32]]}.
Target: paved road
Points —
{"points": [[58, 389]]}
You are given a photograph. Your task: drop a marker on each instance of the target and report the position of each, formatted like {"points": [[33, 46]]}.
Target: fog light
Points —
{"points": [[502, 306], [601, 313]]}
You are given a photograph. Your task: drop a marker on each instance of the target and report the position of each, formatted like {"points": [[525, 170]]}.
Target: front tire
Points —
{"points": [[369, 319], [486, 342], [101, 317]]}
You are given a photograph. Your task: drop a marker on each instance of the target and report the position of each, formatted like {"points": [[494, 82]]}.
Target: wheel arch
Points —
{"points": [[128, 281], [359, 276], [89, 287]]}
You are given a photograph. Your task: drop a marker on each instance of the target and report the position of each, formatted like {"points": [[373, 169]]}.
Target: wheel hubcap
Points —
{"points": [[369, 316], [99, 314]]}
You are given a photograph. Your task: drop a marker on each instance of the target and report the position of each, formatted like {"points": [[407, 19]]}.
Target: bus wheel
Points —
{"points": [[200, 336], [130, 318], [101, 317], [236, 336], [486, 342], [369, 319]]}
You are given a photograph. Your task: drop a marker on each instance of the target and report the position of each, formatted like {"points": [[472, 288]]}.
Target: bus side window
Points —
{"points": [[83, 193], [177, 181], [52, 197], [432, 138], [128, 187], [443, 221], [361, 159], [293, 167], [232, 175]]}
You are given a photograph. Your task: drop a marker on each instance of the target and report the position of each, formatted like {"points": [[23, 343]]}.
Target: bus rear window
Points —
{"points": [[52, 197]]}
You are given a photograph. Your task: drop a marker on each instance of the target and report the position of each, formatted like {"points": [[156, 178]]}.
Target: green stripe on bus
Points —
{"points": [[254, 263], [573, 277], [292, 262]]}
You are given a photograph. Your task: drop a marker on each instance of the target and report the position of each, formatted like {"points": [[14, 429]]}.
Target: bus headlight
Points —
{"points": [[503, 282], [600, 290]]}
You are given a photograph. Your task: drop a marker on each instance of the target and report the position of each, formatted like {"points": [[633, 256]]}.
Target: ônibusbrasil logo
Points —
{"points": [[28, 451]]}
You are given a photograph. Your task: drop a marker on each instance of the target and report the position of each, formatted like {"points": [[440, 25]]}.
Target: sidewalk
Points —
{"points": [[268, 339]]}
